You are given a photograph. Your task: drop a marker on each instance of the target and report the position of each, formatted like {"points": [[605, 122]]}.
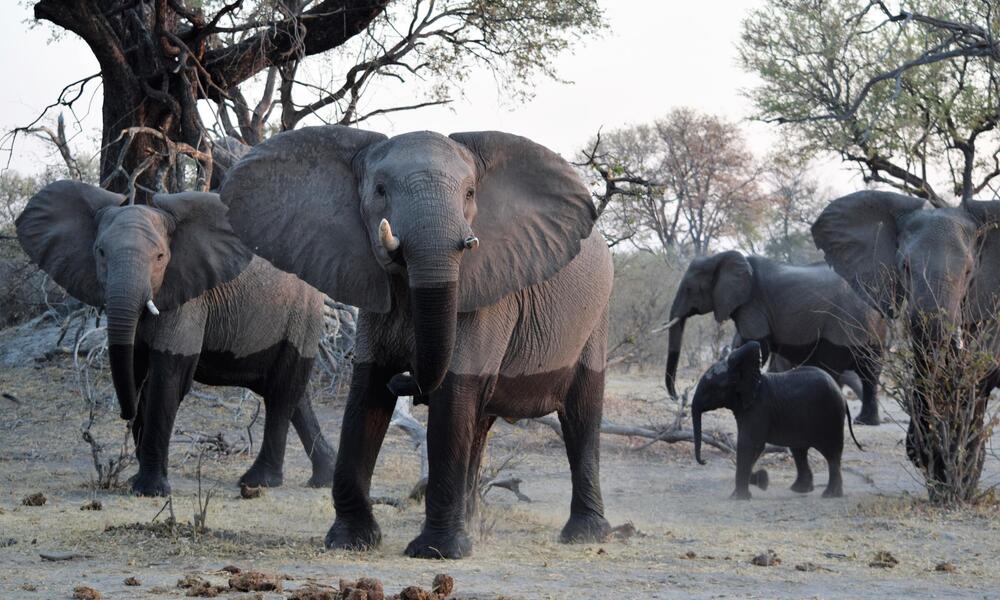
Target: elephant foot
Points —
{"points": [[802, 486], [149, 484], [740, 494], [867, 417], [453, 545], [760, 479], [585, 529], [322, 475], [353, 534], [261, 476], [834, 491]]}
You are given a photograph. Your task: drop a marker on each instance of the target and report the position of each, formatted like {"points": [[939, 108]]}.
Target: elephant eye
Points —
{"points": [[469, 194], [159, 256], [101, 252], [380, 189]]}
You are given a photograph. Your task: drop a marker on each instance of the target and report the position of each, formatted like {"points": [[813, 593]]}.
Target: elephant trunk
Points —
{"points": [[128, 290], [673, 355], [696, 426], [435, 316]]}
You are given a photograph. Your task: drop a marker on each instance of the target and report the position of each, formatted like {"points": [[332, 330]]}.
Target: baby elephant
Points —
{"points": [[801, 409]]}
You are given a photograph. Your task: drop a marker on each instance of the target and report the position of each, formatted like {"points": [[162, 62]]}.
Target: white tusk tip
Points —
{"points": [[389, 241], [152, 308]]}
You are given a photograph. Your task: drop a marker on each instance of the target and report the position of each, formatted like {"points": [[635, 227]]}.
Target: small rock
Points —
{"points": [[80, 592], [413, 593], [93, 505], [132, 581], [766, 559], [252, 581], [883, 560], [443, 584], [36, 499], [690, 554], [231, 569], [601, 551], [945, 567], [249, 492]]}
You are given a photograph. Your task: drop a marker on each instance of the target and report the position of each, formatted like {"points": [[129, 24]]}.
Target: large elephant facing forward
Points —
{"points": [[186, 300], [944, 262], [474, 264], [807, 314]]}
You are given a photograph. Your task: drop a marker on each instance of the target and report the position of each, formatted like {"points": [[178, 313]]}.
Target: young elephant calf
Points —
{"points": [[801, 409]]}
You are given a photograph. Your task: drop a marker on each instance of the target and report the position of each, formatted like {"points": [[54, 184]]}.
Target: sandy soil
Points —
{"points": [[694, 542]]}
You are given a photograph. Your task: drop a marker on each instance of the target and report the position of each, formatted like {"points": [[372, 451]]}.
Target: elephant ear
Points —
{"points": [[983, 301], [204, 250], [533, 211], [732, 283], [294, 200], [858, 235], [57, 230], [744, 366]]}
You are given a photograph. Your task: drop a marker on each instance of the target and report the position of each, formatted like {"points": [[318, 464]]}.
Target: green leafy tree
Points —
{"points": [[910, 95]]}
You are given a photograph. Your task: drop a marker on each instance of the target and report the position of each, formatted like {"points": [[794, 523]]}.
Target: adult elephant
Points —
{"points": [[473, 261], [186, 300], [944, 262], [807, 314], [848, 378]]}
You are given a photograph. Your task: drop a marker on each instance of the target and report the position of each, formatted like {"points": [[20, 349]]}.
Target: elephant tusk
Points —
{"points": [[389, 241], [471, 242], [152, 308]]}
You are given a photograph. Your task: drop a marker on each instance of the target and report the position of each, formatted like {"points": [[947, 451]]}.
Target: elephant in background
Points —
{"points": [[944, 262], [185, 300], [806, 314], [475, 265]]}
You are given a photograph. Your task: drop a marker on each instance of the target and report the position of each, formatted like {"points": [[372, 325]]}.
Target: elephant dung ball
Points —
{"points": [[36, 499], [132, 582], [249, 492], [252, 581], [766, 559], [82, 592], [444, 584], [414, 592]]}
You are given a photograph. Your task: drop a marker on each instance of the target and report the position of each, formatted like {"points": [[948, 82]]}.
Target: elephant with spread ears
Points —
{"points": [[806, 314], [483, 290], [185, 300], [944, 262]]}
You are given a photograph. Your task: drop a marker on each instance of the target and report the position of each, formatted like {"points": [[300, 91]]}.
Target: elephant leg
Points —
{"points": [[835, 485], [868, 372], [320, 453], [475, 469], [803, 474], [366, 418], [168, 381], [267, 468], [451, 428], [747, 452], [581, 426]]}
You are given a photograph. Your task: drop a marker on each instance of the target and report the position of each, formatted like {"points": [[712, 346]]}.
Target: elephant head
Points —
{"points": [[719, 284], [129, 258], [729, 383], [945, 262], [459, 222]]}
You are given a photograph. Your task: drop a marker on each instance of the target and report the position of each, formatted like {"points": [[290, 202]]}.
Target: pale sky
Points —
{"points": [[656, 56]]}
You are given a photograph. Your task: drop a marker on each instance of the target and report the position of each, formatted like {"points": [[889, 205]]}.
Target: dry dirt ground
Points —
{"points": [[693, 543]]}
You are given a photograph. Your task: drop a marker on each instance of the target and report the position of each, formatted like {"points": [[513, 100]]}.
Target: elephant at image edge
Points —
{"points": [[185, 300], [473, 262], [945, 262], [806, 314]]}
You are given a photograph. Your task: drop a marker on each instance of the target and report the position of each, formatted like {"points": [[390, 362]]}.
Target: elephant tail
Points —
{"points": [[850, 427]]}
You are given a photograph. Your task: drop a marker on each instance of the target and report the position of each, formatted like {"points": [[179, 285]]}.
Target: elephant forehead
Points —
{"points": [[423, 150], [143, 220]]}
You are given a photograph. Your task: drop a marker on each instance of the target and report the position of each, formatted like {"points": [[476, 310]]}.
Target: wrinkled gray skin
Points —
{"points": [[800, 409], [806, 314], [225, 316], [945, 263], [515, 328]]}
